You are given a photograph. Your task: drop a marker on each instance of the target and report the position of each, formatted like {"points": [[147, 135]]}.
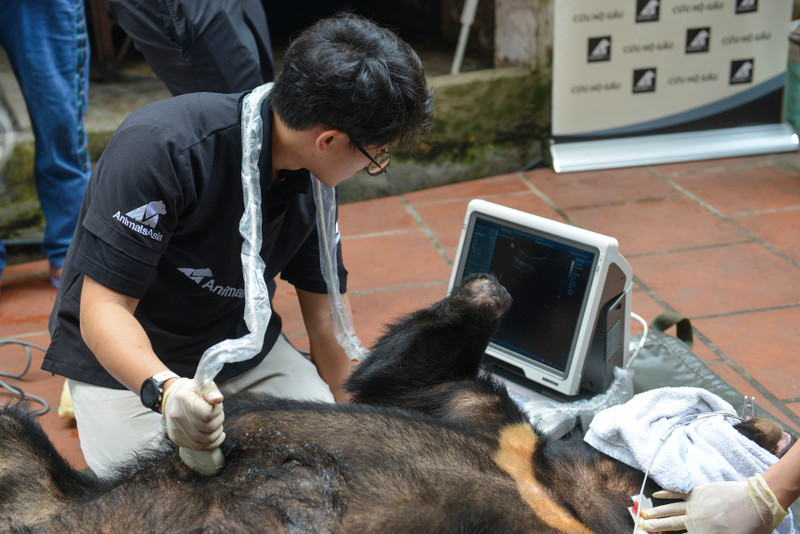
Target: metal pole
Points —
{"points": [[467, 18]]}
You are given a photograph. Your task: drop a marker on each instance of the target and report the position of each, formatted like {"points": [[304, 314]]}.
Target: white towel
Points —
{"points": [[705, 450]]}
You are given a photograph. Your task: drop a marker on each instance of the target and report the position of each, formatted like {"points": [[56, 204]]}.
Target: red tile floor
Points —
{"points": [[716, 241]]}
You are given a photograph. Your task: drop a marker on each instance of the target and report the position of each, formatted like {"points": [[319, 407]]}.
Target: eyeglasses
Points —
{"points": [[379, 163]]}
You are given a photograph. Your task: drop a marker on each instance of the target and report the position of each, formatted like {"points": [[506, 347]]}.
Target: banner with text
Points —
{"points": [[626, 68]]}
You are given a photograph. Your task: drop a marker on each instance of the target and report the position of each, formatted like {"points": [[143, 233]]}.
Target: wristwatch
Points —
{"points": [[152, 390]]}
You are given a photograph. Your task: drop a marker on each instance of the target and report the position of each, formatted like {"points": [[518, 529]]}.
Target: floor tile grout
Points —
{"points": [[765, 212], [426, 229], [24, 335], [547, 200], [690, 249], [354, 237], [395, 288], [745, 312], [455, 200]]}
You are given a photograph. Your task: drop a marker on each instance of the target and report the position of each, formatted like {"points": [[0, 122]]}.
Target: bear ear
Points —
{"points": [[767, 434], [483, 290], [787, 442]]}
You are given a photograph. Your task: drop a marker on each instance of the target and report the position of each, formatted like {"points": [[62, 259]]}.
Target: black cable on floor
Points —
{"points": [[15, 390]]}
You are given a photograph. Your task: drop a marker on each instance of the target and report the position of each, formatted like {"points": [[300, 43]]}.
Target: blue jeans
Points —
{"points": [[47, 45]]}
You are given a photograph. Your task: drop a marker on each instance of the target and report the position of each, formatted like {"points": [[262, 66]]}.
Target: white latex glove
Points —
{"points": [[734, 507], [194, 420]]}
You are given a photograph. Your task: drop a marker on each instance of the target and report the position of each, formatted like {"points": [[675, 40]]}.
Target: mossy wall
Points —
{"points": [[488, 107], [20, 213]]}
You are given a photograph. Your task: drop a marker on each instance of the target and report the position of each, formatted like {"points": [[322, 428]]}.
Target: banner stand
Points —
{"points": [[642, 82], [671, 148]]}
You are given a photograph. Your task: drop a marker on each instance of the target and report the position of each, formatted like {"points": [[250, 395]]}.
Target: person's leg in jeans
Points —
{"points": [[48, 49]]}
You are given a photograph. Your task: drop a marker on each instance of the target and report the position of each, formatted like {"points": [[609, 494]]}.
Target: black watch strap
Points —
{"points": [[152, 391]]}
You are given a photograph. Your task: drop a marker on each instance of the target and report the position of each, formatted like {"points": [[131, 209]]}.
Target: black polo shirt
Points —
{"points": [[160, 223]]}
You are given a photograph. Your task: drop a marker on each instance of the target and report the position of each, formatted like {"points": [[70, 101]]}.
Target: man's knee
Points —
{"points": [[112, 425], [284, 372]]}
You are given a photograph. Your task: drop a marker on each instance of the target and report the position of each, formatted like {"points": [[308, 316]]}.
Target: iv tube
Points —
{"points": [[683, 421], [325, 199], [257, 308]]}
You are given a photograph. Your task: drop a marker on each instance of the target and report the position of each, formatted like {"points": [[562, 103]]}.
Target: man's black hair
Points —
{"points": [[350, 74]]}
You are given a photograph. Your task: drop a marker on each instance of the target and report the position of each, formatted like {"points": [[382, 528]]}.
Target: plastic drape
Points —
{"points": [[325, 198], [583, 411], [257, 308]]}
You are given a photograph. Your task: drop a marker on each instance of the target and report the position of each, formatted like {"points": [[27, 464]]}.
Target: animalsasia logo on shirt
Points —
{"points": [[144, 219], [205, 279]]}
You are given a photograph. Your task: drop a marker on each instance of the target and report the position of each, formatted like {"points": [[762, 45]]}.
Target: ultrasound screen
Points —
{"points": [[548, 280]]}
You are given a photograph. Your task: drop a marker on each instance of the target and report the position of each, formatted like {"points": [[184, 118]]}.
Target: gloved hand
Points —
{"points": [[194, 420], [735, 507]]}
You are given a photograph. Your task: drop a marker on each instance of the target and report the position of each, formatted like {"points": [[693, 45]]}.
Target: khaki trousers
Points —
{"points": [[113, 425]]}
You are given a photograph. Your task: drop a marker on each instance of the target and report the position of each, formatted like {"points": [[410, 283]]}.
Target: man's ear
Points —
{"points": [[327, 138]]}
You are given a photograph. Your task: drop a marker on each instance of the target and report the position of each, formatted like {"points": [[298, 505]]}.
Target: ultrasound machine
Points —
{"points": [[569, 323]]}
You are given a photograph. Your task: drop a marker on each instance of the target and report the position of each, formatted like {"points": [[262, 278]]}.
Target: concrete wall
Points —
{"points": [[524, 34]]}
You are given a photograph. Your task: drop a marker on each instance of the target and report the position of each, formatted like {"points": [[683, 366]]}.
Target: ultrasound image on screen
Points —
{"points": [[548, 281]]}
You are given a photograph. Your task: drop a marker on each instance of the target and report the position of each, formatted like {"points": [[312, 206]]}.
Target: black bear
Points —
{"points": [[428, 445]]}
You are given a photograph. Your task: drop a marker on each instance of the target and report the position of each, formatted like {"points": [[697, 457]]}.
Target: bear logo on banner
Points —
{"points": [[698, 40], [599, 49], [746, 6], [644, 80], [742, 71], [647, 10]]}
